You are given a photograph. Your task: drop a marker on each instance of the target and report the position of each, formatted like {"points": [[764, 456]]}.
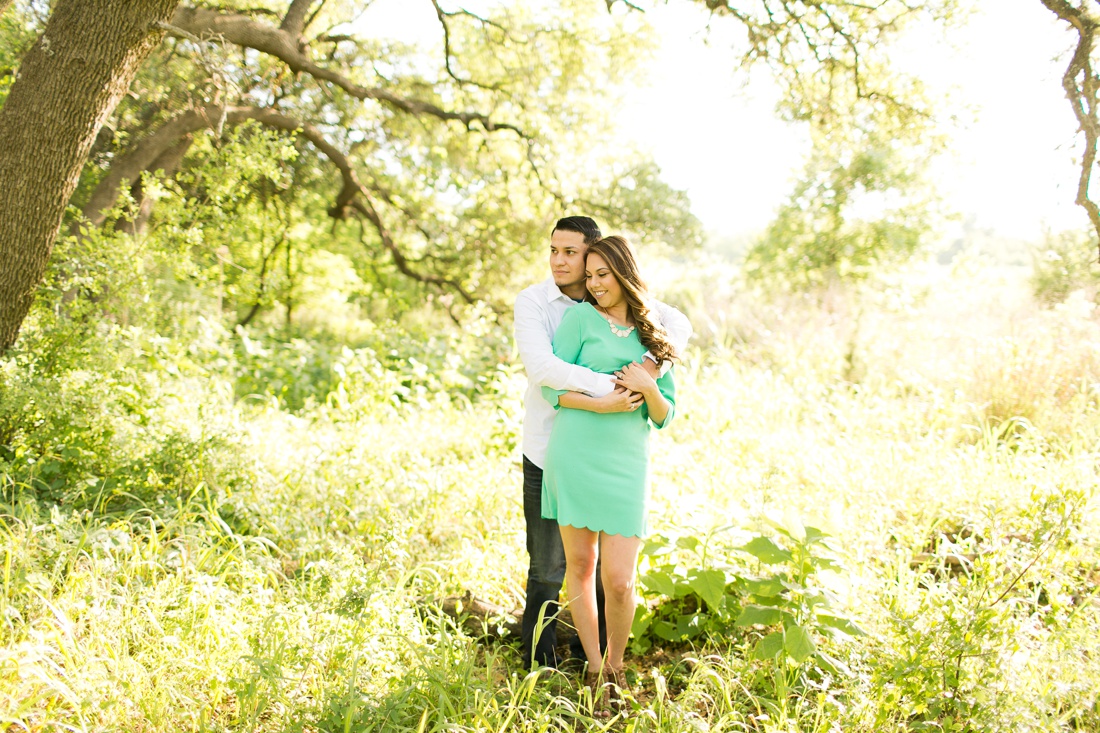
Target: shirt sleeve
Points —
{"points": [[536, 351], [678, 327], [567, 347]]}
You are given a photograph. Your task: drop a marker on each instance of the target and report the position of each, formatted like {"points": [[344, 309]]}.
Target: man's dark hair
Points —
{"points": [[585, 225]]}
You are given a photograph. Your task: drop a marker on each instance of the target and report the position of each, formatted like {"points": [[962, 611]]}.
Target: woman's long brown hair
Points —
{"points": [[619, 256]]}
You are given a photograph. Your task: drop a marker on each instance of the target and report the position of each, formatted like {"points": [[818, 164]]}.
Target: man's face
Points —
{"points": [[567, 250]]}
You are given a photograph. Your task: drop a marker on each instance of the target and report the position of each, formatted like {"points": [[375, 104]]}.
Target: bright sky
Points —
{"points": [[1011, 166]]}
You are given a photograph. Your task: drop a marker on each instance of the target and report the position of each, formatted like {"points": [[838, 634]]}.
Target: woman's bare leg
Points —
{"points": [[581, 551], [619, 560]]}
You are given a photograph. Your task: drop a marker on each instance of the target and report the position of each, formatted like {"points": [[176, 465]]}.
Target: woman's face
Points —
{"points": [[601, 282]]}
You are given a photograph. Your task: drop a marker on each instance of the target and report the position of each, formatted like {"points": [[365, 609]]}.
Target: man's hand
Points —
{"points": [[651, 366], [620, 400]]}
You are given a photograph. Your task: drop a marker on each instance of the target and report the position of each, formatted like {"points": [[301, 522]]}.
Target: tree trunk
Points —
{"points": [[69, 82]]}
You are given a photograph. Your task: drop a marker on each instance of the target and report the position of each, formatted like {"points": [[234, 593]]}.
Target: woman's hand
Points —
{"points": [[636, 378], [619, 400]]}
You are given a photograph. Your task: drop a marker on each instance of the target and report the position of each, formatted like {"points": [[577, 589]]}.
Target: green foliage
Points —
{"points": [[850, 215], [105, 435], [794, 600], [17, 34], [1064, 263], [393, 367], [701, 602], [862, 203], [683, 599], [248, 221], [177, 553], [954, 630]]}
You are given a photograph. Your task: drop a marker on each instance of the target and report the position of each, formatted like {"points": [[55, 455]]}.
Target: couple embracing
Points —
{"points": [[597, 350]]}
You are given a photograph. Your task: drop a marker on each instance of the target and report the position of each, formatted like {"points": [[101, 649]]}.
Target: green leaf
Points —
{"points": [[731, 606], [764, 587], [798, 644], [813, 535], [683, 589], [643, 617], [842, 625], [656, 545], [666, 631], [789, 526], [769, 647], [762, 615], [660, 583], [688, 543], [833, 665], [689, 625], [766, 551], [710, 585]]}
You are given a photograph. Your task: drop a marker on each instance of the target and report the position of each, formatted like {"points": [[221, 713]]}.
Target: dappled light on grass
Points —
{"points": [[241, 566]]}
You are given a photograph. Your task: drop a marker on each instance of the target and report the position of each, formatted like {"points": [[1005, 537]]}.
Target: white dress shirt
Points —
{"points": [[538, 313]]}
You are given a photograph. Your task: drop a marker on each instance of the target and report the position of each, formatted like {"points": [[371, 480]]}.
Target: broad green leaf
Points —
{"points": [[643, 617], [660, 583], [831, 623], [769, 647], [688, 543], [766, 551], [666, 631], [789, 526], [813, 534], [710, 585], [683, 589], [832, 664], [657, 545], [815, 597], [764, 587], [689, 625], [762, 615], [798, 644]]}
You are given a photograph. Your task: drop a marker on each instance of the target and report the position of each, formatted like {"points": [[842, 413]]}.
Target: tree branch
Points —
{"points": [[353, 196], [442, 15], [250, 33], [294, 22], [1083, 97], [365, 206]]}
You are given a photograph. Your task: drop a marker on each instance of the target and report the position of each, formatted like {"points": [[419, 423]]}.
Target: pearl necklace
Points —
{"points": [[620, 331]]}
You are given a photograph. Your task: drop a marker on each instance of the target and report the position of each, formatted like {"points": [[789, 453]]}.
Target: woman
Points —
{"points": [[595, 478]]}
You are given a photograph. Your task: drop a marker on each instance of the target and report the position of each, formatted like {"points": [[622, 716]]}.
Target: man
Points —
{"points": [[538, 312]]}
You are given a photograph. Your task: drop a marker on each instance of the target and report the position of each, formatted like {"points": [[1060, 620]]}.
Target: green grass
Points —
{"points": [[279, 583]]}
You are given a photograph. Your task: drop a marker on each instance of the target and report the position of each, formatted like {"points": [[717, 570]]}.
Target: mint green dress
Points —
{"points": [[597, 465]]}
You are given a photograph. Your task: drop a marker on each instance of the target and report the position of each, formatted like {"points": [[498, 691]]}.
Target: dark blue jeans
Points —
{"points": [[545, 575]]}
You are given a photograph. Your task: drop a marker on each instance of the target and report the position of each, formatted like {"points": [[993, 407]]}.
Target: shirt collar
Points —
{"points": [[553, 292]]}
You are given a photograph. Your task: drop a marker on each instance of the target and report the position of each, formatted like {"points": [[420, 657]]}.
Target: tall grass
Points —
{"points": [[285, 581]]}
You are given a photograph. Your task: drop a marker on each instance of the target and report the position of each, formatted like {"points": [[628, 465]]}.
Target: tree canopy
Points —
{"points": [[279, 132]]}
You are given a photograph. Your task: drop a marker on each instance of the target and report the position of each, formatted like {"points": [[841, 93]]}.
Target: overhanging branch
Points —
{"points": [[242, 30], [365, 206], [352, 197], [1082, 88]]}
